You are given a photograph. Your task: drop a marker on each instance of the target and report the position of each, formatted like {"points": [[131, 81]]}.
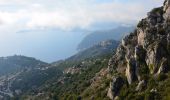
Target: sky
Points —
{"points": [[47, 29]]}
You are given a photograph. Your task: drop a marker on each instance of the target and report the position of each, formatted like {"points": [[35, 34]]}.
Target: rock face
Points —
{"points": [[115, 87], [147, 49], [131, 71], [141, 85], [166, 9]]}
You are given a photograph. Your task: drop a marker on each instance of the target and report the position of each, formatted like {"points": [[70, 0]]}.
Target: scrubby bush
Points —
{"points": [[161, 77]]}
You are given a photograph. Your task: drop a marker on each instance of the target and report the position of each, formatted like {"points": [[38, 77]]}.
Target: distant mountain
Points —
{"points": [[102, 48], [15, 63], [98, 36]]}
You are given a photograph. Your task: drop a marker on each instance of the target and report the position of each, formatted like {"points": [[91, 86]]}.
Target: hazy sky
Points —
{"points": [[41, 28]]}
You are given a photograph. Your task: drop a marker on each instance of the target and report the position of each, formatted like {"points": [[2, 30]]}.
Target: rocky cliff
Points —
{"points": [[139, 69], [146, 51]]}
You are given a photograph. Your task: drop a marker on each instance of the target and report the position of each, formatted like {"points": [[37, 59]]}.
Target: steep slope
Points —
{"points": [[102, 48], [12, 67], [144, 59], [98, 36], [32, 79], [15, 63], [64, 78], [75, 79]]}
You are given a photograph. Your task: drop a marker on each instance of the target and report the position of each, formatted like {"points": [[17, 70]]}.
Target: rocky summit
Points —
{"points": [[145, 52]]}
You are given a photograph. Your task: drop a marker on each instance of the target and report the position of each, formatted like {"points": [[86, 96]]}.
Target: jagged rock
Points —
{"points": [[155, 54], [141, 66], [115, 87], [155, 16], [141, 85], [141, 37], [140, 53], [147, 50], [151, 60], [118, 60], [167, 9], [131, 71], [116, 98], [166, 4], [163, 67]]}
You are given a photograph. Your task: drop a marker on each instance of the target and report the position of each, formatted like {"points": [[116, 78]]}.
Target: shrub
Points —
{"points": [[161, 77]]}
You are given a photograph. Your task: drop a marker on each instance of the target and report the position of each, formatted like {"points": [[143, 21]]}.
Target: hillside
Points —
{"points": [[63, 76], [76, 78], [102, 48], [16, 63], [58, 76], [98, 36]]}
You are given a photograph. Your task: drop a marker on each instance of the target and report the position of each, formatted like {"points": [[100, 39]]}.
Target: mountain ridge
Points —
{"points": [[96, 37], [101, 48], [18, 62]]}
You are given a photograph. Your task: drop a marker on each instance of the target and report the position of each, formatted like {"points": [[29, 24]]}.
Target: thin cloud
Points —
{"points": [[37, 18], [66, 14]]}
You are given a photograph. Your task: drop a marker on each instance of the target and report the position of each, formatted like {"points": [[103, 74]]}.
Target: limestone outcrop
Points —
{"points": [[115, 87], [146, 51]]}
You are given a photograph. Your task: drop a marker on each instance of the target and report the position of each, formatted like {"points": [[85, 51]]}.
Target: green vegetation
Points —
{"points": [[143, 70], [30, 80], [75, 84], [12, 64], [157, 89], [151, 68], [58, 86], [157, 10]]}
